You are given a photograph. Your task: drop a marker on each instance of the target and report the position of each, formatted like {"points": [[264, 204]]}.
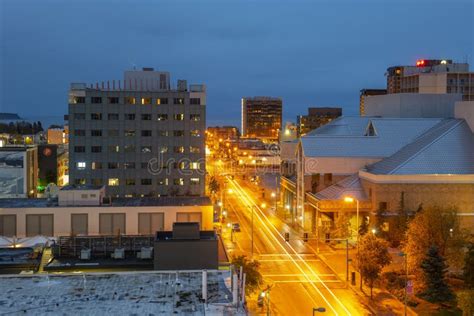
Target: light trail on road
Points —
{"points": [[260, 214]]}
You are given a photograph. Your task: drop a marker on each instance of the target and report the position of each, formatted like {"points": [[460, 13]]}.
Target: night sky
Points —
{"points": [[310, 53]]}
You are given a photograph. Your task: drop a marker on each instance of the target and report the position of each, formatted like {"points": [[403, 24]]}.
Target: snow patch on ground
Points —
{"points": [[167, 293]]}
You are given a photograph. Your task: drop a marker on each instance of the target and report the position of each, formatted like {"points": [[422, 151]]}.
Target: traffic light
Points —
{"points": [[305, 237], [287, 237]]}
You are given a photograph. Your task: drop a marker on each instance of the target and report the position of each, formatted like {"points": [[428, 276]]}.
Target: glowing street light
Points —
{"points": [[230, 191], [263, 205], [273, 195], [374, 231]]}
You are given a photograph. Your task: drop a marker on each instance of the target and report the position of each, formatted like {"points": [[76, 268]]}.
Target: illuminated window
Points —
{"points": [[163, 181], [194, 150], [194, 181], [129, 100], [96, 165], [179, 181], [146, 149], [195, 133], [163, 149], [81, 165], [114, 148], [78, 100], [129, 133], [178, 117], [194, 165], [162, 101], [162, 133], [179, 149], [178, 100], [80, 181], [195, 117], [113, 182], [162, 117], [146, 100]]}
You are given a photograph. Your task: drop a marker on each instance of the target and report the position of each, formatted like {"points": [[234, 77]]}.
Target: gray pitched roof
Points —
{"points": [[346, 136], [447, 148], [349, 186]]}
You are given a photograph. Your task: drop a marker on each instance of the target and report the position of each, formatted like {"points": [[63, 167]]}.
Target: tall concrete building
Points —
{"points": [[367, 93], [316, 118], [139, 136], [262, 117], [432, 76]]}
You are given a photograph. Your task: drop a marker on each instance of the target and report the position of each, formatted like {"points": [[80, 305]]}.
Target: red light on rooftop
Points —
{"points": [[420, 63]]}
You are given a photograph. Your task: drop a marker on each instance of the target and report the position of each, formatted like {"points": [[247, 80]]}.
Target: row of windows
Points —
{"points": [[133, 149], [133, 100], [82, 165], [132, 117], [113, 182], [109, 223], [131, 133]]}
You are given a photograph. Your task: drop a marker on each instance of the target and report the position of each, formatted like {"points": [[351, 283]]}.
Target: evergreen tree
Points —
{"points": [[468, 272], [434, 269]]}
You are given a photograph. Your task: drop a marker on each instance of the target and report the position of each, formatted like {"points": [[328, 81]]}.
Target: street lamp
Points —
{"points": [[349, 199], [318, 310], [374, 231], [404, 254]]}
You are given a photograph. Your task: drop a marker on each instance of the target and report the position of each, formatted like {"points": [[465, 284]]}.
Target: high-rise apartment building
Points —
{"points": [[138, 137], [364, 94], [316, 117], [262, 117], [432, 76]]}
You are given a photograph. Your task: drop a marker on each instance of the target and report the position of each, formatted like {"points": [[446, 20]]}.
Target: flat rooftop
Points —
{"points": [[117, 202], [149, 293]]}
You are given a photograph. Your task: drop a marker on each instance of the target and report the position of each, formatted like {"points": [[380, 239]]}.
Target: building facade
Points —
{"points": [[18, 171], [262, 117], [138, 137], [432, 76], [82, 210], [365, 94], [316, 118]]}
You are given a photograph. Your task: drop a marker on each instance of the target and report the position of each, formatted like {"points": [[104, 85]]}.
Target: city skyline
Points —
{"points": [[213, 48]]}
